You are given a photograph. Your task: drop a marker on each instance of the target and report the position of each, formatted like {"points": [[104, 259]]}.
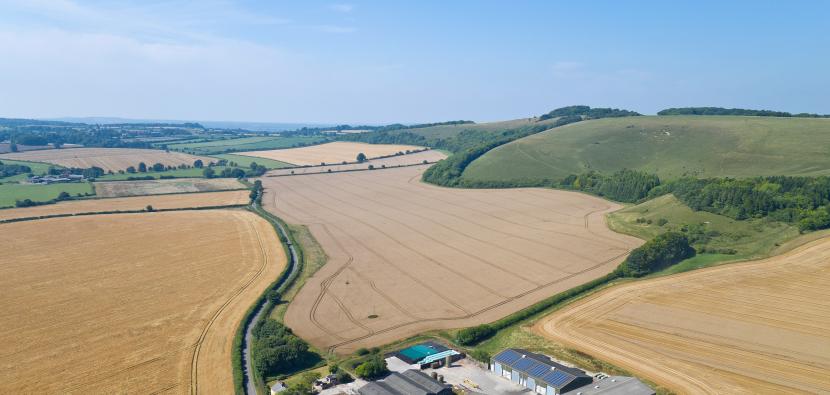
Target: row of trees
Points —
{"points": [[735, 111], [656, 254], [8, 170]]}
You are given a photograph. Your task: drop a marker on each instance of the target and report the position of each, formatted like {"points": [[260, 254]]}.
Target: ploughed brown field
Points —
{"points": [[755, 327], [156, 187], [106, 158], [431, 156], [207, 199], [405, 256], [129, 303], [336, 152]]}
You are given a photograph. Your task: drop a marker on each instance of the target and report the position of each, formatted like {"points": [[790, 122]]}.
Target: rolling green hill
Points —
{"points": [[669, 146]]}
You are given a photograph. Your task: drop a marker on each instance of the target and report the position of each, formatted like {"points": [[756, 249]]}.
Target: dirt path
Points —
{"points": [[754, 327]]}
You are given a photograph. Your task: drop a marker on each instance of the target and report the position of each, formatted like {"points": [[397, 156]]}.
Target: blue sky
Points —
{"points": [[395, 61]]}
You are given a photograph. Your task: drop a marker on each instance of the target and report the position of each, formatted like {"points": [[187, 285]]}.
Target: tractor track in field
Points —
{"points": [[194, 366]]}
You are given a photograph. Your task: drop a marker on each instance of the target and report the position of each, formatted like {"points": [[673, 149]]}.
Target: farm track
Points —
{"points": [[428, 257]]}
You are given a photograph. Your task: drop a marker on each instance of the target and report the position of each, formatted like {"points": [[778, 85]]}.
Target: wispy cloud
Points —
{"points": [[341, 7]]}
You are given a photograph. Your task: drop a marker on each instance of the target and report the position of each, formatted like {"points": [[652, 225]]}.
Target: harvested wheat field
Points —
{"points": [[755, 327], [157, 187], [161, 202], [430, 156], [129, 303], [114, 159], [336, 152], [405, 256]]}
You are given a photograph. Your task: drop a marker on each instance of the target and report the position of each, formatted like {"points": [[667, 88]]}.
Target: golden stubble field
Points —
{"points": [[755, 327], [405, 257], [430, 156], [106, 158], [182, 200], [157, 187], [129, 303], [336, 152]]}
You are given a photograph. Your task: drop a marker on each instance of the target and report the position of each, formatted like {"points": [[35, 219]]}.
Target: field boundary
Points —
{"points": [[346, 171], [23, 219]]}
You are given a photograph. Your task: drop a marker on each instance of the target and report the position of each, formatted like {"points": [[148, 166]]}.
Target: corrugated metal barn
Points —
{"points": [[537, 372]]}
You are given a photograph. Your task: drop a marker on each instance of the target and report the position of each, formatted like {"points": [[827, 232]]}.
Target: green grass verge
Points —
{"points": [[245, 161], [9, 193], [313, 258], [669, 146]]}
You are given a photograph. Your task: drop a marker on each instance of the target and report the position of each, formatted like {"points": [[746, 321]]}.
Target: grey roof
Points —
{"points": [[616, 385], [539, 367], [410, 382]]}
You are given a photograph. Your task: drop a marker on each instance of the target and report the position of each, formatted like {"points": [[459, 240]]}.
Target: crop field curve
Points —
{"points": [[405, 256], [330, 153], [137, 303], [756, 327]]}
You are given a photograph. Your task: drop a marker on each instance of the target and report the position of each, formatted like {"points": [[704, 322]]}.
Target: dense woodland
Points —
{"points": [[656, 254], [735, 111], [588, 113], [801, 200], [278, 350]]}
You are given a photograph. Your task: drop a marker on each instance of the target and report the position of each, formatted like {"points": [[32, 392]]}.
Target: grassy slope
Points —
{"points": [[314, 257], [245, 161], [9, 193], [751, 238], [671, 146]]}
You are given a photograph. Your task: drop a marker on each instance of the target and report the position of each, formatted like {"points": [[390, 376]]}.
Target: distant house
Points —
{"points": [[277, 387], [410, 382], [537, 372]]}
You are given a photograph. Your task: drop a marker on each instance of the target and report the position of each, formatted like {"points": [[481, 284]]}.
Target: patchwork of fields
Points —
{"points": [[755, 327], [156, 187], [430, 156], [160, 202], [114, 159], [405, 257], [136, 303], [329, 153]]}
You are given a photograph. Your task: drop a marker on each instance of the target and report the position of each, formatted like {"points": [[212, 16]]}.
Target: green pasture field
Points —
{"points": [[244, 144], [245, 161], [9, 193]]}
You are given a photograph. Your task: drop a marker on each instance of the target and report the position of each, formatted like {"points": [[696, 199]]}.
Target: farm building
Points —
{"points": [[617, 385], [410, 382], [426, 354], [537, 372]]}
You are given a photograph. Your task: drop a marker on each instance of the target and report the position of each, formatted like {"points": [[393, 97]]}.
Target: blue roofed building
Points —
{"points": [[537, 372]]}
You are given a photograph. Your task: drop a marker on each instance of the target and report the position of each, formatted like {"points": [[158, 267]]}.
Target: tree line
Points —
{"points": [[8, 170], [735, 111], [659, 253]]}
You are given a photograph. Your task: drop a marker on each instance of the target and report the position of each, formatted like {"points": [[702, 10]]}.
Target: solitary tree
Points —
{"points": [[158, 167], [131, 169], [361, 157], [208, 173], [149, 208], [142, 167]]}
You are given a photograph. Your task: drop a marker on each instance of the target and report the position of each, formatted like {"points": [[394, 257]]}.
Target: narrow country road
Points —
{"points": [[247, 362]]}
